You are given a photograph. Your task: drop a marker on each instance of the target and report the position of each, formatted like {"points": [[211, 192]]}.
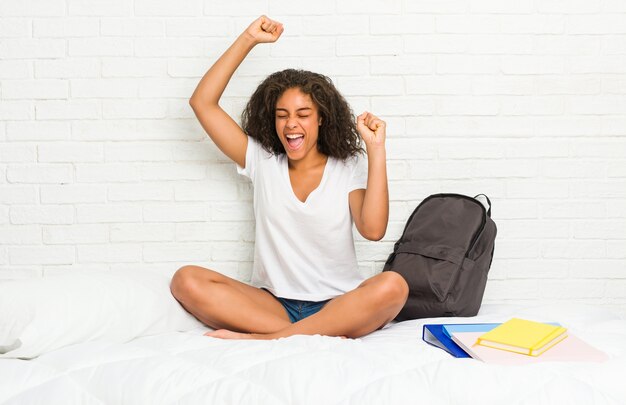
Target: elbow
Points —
{"points": [[375, 237], [197, 101], [202, 104], [375, 234], [374, 229]]}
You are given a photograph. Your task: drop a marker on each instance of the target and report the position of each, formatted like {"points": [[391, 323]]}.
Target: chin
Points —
{"points": [[295, 156]]}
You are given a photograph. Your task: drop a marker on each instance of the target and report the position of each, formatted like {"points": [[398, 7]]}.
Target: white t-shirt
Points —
{"points": [[303, 250]]}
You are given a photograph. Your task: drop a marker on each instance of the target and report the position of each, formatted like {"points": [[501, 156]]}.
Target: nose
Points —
{"points": [[292, 122]]}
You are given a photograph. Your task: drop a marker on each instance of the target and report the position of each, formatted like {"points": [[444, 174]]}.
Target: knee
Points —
{"points": [[184, 282], [392, 289]]}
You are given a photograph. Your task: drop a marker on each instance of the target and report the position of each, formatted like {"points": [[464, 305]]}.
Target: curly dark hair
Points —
{"points": [[337, 136]]}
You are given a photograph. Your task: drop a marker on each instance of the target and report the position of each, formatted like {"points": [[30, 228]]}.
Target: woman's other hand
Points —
{"points": [[372, 129]]}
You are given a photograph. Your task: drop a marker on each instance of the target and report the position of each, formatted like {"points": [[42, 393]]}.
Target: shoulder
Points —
{"points": [[351, 163], [257, 149]]}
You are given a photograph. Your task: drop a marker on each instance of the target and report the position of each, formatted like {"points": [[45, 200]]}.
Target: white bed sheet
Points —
{"points": [[391, 366]]}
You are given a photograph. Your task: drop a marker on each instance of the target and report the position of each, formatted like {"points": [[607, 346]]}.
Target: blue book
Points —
{"points": [[434, 335], [440, 335]]}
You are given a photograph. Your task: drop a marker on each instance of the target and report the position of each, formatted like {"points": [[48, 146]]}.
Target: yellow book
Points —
{"points": [[523, 336]]}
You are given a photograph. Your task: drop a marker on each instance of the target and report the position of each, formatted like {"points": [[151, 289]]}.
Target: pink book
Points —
{"points": [[569, 349]]}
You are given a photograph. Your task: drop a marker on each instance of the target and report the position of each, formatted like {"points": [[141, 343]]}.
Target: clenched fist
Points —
{"points": [[372, 129], [264, 29]]}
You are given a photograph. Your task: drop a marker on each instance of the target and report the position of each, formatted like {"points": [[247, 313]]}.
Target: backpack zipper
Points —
{"points": [[474, 237]]}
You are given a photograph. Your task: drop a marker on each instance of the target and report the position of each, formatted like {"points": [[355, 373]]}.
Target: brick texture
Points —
{"points": [[103, 165]]}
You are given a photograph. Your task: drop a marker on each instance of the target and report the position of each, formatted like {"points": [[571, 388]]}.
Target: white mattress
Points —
{"points": [[391, 366]]}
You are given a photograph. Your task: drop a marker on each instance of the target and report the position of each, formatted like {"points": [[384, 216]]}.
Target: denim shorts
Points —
{"points": [[297, 309]]}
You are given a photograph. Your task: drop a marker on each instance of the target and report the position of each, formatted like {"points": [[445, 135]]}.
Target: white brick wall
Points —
{"points": [[102, 164]]}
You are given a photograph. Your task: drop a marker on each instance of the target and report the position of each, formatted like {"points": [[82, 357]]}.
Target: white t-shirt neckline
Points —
{"points": [[285, 171]]}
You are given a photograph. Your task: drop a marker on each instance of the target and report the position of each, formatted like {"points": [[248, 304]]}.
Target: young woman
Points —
{"points": [[302, 150]]}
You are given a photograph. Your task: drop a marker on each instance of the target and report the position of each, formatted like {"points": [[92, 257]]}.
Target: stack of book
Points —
{"points": [[516, 341]]}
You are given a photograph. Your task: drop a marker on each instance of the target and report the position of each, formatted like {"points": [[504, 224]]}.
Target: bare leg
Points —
{"points": [[222, 302], [369, 307]]}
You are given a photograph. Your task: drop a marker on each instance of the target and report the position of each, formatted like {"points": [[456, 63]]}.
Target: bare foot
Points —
{"points": [[227, 334]]}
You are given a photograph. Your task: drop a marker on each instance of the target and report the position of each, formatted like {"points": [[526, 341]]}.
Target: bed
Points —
{"points": [[120, 338]]}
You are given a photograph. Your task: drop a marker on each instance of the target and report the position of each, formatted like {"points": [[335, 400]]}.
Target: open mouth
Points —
{"points": [[295, 140]]}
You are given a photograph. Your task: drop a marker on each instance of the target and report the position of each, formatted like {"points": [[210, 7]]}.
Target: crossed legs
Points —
{"points": [[238, 310]]}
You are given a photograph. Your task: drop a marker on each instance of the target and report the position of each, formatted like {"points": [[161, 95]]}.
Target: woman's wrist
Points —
{"points": [[376, 151], [248, 40]]}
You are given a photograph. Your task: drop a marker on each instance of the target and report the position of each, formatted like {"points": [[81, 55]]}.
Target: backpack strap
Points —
{"points": [[488, 202]]}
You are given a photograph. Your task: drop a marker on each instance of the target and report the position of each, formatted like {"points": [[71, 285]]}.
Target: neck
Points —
{"points": [[310, 161]]}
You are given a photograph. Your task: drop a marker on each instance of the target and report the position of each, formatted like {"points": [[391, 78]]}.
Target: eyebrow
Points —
{"points": [[299, 109]]}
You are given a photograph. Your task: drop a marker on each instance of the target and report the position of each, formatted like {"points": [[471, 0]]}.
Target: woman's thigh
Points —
{"points": [[241, 295]]}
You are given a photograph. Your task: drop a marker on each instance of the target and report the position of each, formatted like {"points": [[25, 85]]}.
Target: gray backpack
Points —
{"points": [[444, 254]]}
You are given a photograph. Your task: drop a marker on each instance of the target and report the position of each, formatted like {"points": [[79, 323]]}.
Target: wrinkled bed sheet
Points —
{"points": [[390, 366]]}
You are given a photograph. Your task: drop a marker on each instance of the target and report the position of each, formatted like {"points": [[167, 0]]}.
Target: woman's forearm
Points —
{"points": [[375, 210], [215, 80]]}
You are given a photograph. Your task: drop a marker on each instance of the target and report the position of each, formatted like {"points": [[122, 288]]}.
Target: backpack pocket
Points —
{"points": [[430, 271]]}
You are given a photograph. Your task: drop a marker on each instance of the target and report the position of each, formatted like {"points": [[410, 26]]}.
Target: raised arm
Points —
{"points": [[221, 128], [370, 207]]}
